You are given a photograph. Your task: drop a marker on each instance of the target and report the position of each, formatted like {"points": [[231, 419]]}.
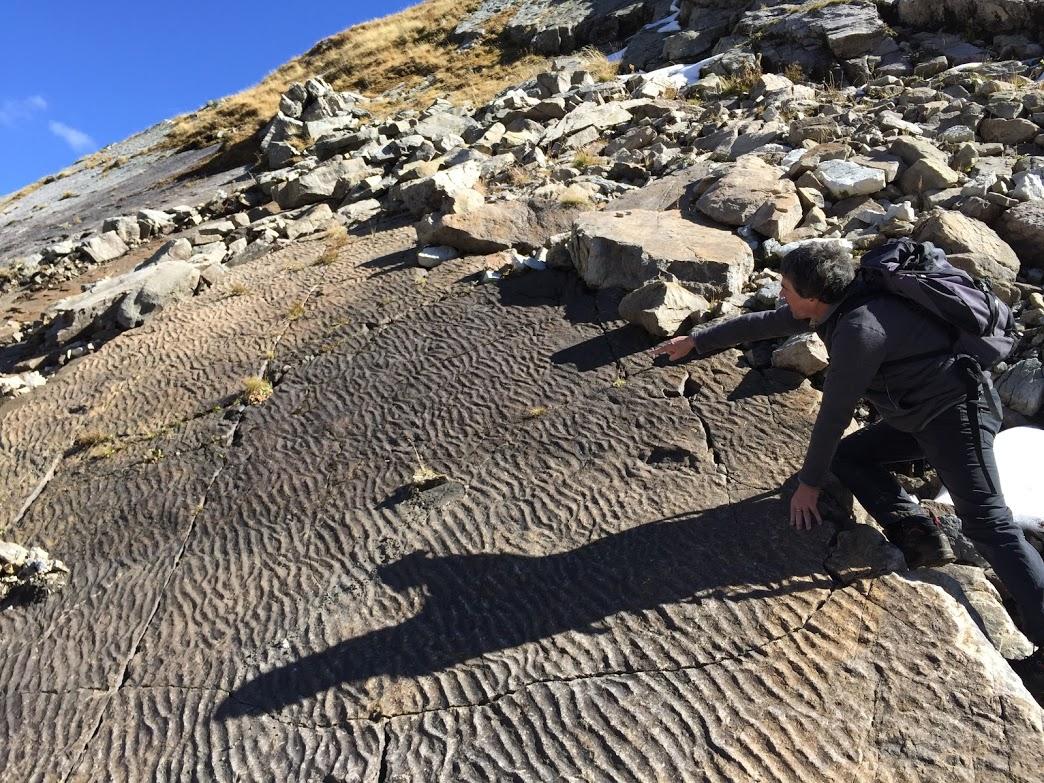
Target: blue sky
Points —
{"points": [[75, 75]]}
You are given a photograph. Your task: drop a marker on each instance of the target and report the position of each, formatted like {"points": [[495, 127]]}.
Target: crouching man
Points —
{"points": [[932, 405]]}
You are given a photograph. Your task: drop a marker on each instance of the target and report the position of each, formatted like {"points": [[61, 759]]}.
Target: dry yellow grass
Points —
{"points": [[336, 237], [401, 49], [598, 65], [256, 390]]}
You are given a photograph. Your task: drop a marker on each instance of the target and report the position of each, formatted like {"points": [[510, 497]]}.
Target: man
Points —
{"points": [[887, 349]]}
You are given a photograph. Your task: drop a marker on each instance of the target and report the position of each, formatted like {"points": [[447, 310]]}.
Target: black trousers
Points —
{"points": [[959, 445]]}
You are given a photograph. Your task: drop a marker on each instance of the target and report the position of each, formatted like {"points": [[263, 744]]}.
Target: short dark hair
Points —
{"points": [[818, 271]]}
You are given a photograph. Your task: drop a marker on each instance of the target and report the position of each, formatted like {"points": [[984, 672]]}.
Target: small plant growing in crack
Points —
{"points": [[86, 440], [256, 390], [102, 450], [297, 309], [336, 237], [536, 411], [618, 382], [238, 289]]}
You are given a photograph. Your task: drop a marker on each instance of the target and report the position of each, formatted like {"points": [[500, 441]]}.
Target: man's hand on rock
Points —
{"points": [[804, 507], [674, 349]]}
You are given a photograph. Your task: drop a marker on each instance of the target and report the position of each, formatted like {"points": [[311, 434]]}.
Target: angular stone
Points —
{"points": [[587, 115], [174, 250], [123, 302], [1008, 132], [802, 353], [779, 216], [105, 247], [1021, 387], [928, 174], [126, 228], [845, 178], [912, 149], [661, 307], [629, 248], [495, 227], [735, 198], [974, 247], [1022, 227], [328, 181], [436, 192]]}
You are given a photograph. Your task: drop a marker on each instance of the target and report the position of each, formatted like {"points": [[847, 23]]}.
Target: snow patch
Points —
{"points": [[1018, 453]]}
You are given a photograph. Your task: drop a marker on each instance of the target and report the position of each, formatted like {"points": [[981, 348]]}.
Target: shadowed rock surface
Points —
{"points": [[605, 586]]}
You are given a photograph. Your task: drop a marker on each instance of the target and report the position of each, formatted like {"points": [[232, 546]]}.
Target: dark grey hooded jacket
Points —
{"points": [[866, 345]]}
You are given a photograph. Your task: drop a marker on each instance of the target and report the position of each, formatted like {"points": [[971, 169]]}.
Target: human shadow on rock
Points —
{"points": [[481, 603]]}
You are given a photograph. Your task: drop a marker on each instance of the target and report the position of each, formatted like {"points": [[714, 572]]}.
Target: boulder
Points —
{"points": [[973, 246], [441, 191], [1022, 227], [174, 250], [311, 220], [928, 174], [104, 247], [735, 198], [661, 307], [629, 248], [431, 257], [495, 227], [1021, 387], [1005, 131], [844, 178], [122, 302], [587, 116], [126, 228], [802, 353], [912, 149], [327, 181]]}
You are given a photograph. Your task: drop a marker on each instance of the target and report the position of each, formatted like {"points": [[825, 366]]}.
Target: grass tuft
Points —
{"points": [[256, 391]]}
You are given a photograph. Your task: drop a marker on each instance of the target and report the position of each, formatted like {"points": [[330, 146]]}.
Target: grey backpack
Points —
{"points": [[983, 327]]}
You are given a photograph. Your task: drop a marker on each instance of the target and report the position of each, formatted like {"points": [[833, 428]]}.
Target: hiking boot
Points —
{"points": [[1031, 670], [921, 541]]}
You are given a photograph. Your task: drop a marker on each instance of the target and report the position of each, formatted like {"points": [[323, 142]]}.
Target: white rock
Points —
{"points": [[1029, 185], [802, 353], [844, 179], [431, 257], [22, 383]]}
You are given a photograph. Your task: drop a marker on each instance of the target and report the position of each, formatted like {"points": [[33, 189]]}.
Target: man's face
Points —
{"points": [[802, 308]]}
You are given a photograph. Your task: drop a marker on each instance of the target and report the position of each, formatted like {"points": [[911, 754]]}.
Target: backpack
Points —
{"points": [[983, 327]]}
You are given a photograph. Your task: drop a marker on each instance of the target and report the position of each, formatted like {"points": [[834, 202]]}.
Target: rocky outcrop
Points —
{"points": [[994, 16], [556, 26]]}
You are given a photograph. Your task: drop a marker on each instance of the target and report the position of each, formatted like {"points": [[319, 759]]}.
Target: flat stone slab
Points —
{"points": [[469, 537]]}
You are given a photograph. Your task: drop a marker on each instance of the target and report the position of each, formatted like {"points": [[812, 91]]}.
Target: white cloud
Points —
{"points": [[14, 111], [76, 139]]}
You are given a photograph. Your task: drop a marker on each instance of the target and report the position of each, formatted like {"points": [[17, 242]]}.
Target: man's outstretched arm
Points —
{"points": [[748, 328]]}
